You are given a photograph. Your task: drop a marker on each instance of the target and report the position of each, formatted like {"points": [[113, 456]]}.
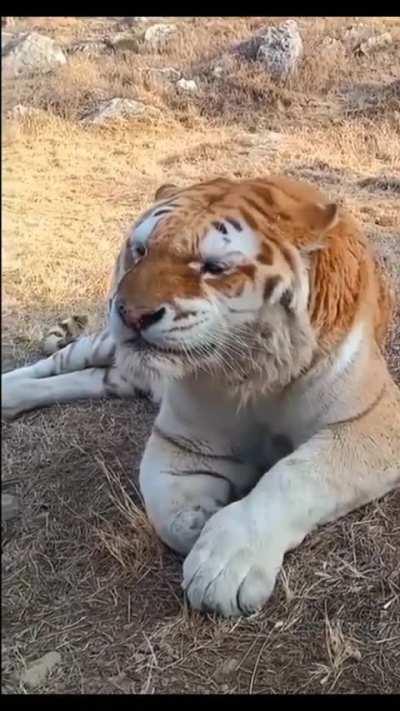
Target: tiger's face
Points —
{"points": [[210, 269]]}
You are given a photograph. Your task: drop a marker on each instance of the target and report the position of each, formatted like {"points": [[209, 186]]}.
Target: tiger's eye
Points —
{"points": [[140, 250], [212, 268]]}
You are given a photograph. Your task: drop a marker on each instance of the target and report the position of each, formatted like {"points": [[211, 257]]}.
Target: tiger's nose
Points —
{"points": [[138, 319]]}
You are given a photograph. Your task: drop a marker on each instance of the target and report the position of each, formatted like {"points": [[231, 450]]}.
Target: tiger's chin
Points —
{"points": [[139, 358]]}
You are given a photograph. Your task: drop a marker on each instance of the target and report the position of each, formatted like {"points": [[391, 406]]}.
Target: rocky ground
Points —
{"points": [[97, 112]]}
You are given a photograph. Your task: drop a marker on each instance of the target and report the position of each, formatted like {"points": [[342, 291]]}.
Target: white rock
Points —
{"points": [[115, 109], [281, 49], [166, 74], [31, 53], [20, 111], [187, 85], [158, 36], [37, 672]]}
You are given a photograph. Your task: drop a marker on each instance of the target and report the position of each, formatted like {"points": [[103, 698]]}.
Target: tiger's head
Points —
{"points": [[241, 278]]}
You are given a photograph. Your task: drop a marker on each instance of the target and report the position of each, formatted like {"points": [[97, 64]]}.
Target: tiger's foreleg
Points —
{"points": [[83, 369]]}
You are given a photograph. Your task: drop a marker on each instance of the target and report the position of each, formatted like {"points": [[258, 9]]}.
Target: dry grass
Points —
{"points": [[83, 573]]}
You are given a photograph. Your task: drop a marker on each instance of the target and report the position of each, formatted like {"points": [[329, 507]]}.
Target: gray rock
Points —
{"points": [[158, 36], [36, 674], [281, 50], [90, 49], [126, 41], [9, 507], [167, 74], [6, 38], [31, 53], [116, 109]]}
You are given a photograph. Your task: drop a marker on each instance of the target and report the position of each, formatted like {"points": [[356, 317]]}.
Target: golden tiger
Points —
{"points": [[255, 312]]}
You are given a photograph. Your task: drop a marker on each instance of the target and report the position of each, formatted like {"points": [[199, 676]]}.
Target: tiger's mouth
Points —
{"points": [[140, 345]]}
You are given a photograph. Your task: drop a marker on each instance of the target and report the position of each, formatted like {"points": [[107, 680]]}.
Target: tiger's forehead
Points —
{"points": [[230, 236], [211, 237]]}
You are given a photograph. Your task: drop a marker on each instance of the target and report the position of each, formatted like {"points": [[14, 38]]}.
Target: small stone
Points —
{"points": [[20, 111], [9, 507], [166, 74], [37, 672], [126, 41], [187, 85], [158, 36]]}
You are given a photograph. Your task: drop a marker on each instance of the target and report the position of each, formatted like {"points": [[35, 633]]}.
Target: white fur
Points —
{"points": [[349, 349], [142, 232], [216, 245]]}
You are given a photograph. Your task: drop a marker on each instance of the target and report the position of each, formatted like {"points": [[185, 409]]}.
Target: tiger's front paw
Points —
{"points": [[15, 392], [232, 568]]}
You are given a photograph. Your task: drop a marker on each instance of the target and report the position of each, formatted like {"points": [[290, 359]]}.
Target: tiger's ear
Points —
{"points": [[165, 191], [319, 218]]}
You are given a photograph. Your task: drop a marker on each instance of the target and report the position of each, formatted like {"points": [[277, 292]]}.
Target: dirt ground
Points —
{"points": [[83, 575]]}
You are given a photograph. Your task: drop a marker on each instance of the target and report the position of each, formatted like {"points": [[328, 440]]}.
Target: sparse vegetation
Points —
{"points": [[83, 574]]}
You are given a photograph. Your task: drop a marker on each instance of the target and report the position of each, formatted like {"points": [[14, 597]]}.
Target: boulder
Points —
{"points": [[281, 50], [157, 37], [31, 53], [116, 109]]}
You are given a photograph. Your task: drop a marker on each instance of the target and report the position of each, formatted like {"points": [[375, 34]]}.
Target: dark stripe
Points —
{"points": [[106, 378], [161, 212], [220, 227], [66, 326], [286, 300], [184, 444], [259, 208], [235, 224], [180, 328], [240, 311], [264, 194], [361, 414], [267, 254], [249, 219], [287, 254], [270, 285], [248, 270], [56, 331], [184, 314]]}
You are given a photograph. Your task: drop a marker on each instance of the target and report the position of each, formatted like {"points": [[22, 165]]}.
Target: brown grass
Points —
{"points": [[83, 573]]}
